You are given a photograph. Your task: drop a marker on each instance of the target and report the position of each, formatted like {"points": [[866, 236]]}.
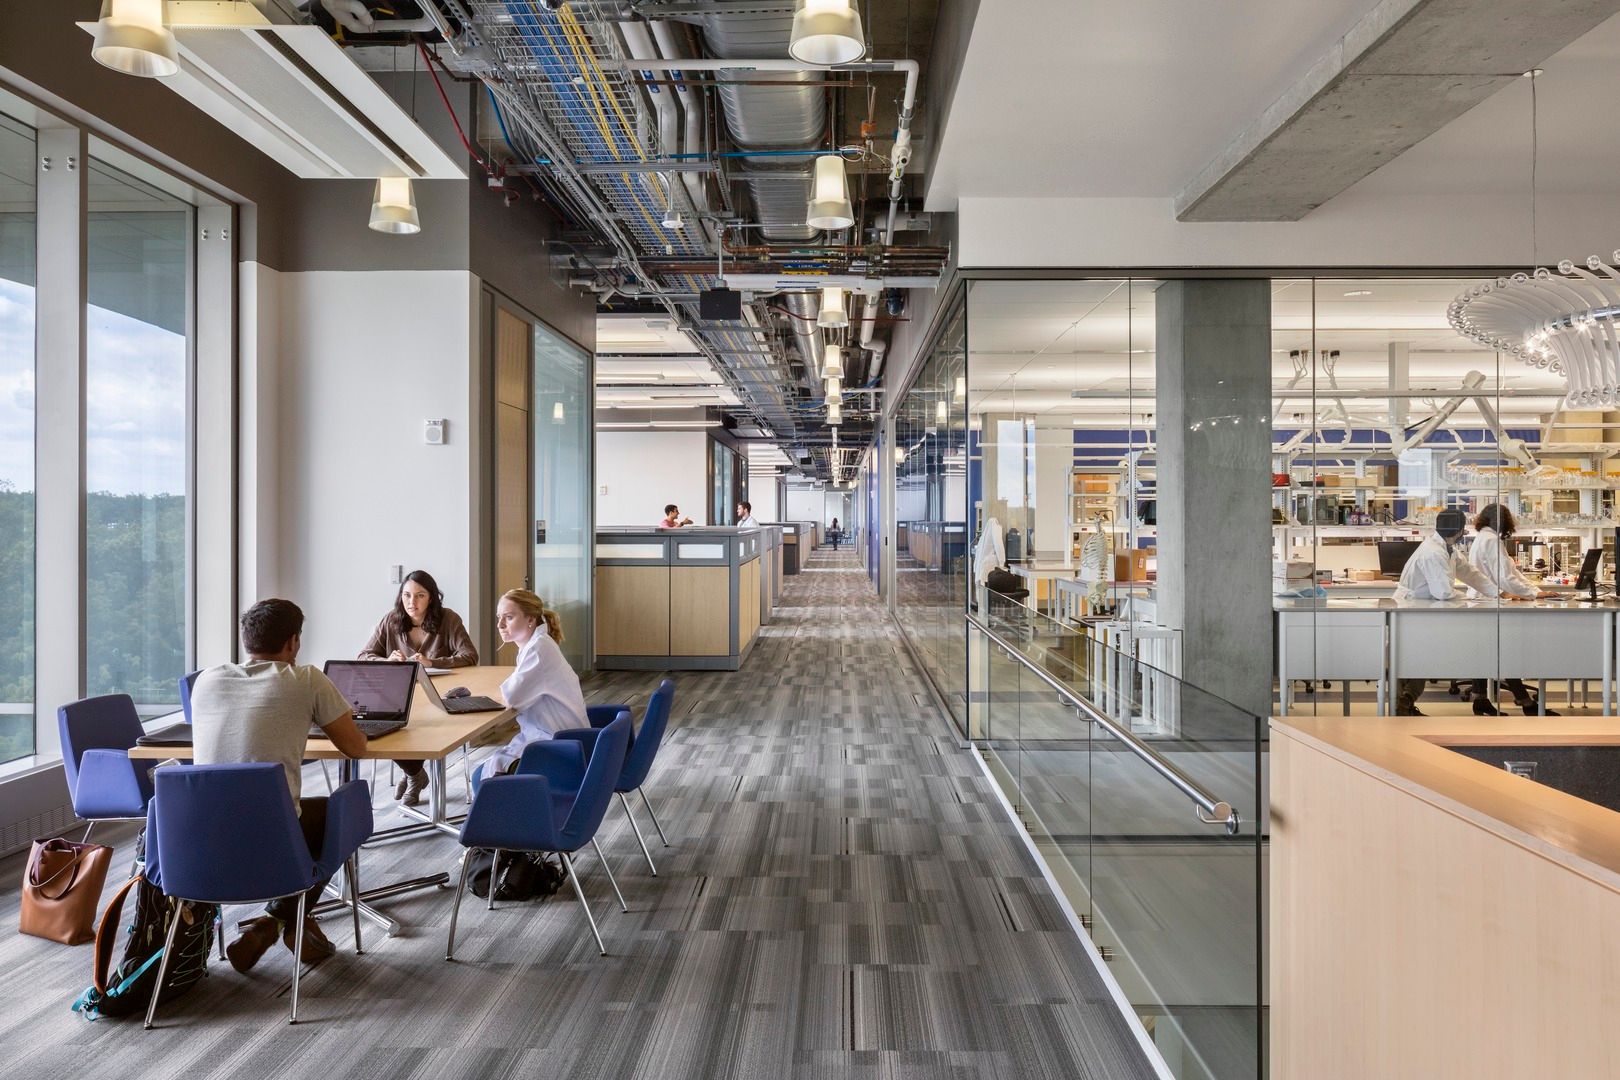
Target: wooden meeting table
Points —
{"points": [[431, 736]]}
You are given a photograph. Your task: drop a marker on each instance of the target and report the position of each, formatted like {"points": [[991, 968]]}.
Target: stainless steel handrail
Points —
{"points": [[1210, 810]]}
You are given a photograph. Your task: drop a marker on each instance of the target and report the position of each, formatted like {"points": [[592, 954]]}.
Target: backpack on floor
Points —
{"points": [[127, 988], [524, 875]]}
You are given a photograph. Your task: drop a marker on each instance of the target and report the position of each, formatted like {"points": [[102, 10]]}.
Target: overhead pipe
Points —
{"points": [[900, 155], [803, 307], [669, 45]]}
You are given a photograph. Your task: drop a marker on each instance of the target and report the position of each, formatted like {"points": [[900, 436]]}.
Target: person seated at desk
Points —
{"points": [[420, 628], [1489, 556], [745, 515], [543, 688], [261, 711], [1431, 574], [672, 518]]}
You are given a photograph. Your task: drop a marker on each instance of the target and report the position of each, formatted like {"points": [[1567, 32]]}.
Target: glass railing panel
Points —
{"points": [[1110, 792]]}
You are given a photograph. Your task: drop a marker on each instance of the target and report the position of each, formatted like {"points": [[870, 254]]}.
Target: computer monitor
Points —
{"points": [[377, 688], [1589, 568], [1393, 554]]}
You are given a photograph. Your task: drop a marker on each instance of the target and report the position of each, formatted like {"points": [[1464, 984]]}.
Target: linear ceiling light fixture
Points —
{"points": [[835, 415], [132, 38], [393, 207], [830, 208], [835, 392], [826, 32]]}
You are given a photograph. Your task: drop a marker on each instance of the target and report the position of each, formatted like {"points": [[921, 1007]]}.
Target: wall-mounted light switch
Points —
{"points": [[396, 574]]}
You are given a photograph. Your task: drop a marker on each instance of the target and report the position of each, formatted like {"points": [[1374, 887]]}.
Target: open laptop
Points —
{"points": [[379, 692], [465, 703]]}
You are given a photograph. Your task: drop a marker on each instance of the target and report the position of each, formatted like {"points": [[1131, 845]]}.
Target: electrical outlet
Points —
{"points": [[396, 574]]}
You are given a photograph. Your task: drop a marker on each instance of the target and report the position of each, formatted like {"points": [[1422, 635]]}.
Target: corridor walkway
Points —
{"points": [[843, 898]]}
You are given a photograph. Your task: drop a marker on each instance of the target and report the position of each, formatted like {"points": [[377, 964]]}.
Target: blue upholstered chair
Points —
{"points": [[228, 834], [187, 681], [104, 784], [555, 802], [638, 762]]}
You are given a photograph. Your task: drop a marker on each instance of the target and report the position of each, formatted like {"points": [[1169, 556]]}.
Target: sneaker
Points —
{"points": [[317, 946], [259, 935], [410, 789]]}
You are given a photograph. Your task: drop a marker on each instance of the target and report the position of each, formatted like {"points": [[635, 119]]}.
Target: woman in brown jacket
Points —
{"points": [[420, 628]]}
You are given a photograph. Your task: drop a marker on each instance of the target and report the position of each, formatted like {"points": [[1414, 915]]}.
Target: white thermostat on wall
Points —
{"points": [[433, 434]]}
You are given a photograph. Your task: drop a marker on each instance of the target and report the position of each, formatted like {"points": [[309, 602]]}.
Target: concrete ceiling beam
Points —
{"points": [[1405, 70]]}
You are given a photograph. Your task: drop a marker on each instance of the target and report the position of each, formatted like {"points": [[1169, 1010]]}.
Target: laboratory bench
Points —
{"points": [[1385, 640]]}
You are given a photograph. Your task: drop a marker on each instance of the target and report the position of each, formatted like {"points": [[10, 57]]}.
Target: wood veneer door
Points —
{"points": [[513, 522]]}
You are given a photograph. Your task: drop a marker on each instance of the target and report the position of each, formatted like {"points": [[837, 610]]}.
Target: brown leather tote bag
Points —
{"points": [[62, 890]]}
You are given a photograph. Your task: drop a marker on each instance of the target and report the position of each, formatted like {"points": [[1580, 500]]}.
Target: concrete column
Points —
{"points": [[1214, 494]]}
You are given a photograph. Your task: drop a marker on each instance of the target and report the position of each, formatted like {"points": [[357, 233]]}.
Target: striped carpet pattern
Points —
{"points": [[843, 898]]}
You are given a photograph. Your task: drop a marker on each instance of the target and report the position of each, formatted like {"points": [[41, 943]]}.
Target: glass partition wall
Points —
{"points": [[931, 490], [1117, 433]]}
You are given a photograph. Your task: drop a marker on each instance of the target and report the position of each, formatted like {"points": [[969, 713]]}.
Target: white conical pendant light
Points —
{"points": [[832, 363], [832, 315], [393, 208], [826, 32], [131, 37], [829, 200]]}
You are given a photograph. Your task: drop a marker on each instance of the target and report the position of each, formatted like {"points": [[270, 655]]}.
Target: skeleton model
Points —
{"points": [[1094, 555]]}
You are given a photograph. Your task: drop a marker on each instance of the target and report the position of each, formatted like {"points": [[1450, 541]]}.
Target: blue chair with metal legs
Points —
{"points": [[228, 834], [104, 784], [187, 681], [638, 763], [554, 803]]}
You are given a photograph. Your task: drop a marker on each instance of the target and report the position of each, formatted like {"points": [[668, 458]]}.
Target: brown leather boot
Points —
{"points": [[317, 946], [258, 936]]}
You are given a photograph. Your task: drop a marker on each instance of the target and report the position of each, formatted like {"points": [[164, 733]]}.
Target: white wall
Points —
{"points": [[1361, 227], [638, 472], [762, 493], [361, 360]]}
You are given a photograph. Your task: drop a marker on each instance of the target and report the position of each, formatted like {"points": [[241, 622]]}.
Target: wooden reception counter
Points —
{"points": [[1432, 914], [678, 599]]}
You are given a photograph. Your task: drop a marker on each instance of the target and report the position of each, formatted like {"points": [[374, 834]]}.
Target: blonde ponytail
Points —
{"points": [[535, 608]]}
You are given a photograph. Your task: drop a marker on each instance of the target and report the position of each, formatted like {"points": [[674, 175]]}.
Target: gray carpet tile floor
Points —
{"points": [[843, 897]]}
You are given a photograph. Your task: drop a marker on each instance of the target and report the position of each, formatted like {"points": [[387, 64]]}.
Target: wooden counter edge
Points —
{"points": [[1580, 836]]}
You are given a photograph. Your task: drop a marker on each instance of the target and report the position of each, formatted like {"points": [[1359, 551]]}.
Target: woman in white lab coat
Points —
{"points": [[543, 688], [1489, 555]]}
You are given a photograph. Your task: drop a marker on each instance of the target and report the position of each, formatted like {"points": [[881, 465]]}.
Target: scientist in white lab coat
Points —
{"points": [[1432, 573], [543, 688], [1489, 555]]}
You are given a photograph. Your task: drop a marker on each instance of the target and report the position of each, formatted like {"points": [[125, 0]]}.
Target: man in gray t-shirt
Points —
{"points": [[261, 711]]}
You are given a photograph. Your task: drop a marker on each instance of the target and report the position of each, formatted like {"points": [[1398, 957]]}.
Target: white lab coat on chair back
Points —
{"points": [[989, 552], [1433, 570], [1489, 556], [545, 692]]}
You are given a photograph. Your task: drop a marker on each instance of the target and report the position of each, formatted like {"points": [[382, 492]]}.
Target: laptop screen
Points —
{"points": [[374, 686]]}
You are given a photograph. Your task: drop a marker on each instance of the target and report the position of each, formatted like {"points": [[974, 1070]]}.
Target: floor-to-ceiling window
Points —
{"points": [[137, 467], [17, 231], [563, 502]]}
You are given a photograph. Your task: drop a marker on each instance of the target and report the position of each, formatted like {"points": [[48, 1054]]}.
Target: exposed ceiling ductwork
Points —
{"points": [[682, 172]]}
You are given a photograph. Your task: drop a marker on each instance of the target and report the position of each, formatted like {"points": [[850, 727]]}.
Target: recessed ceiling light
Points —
{"points": [[1359, 292]]}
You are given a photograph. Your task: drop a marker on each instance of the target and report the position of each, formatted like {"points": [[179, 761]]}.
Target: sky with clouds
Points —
{"points": [[136, 408]]}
